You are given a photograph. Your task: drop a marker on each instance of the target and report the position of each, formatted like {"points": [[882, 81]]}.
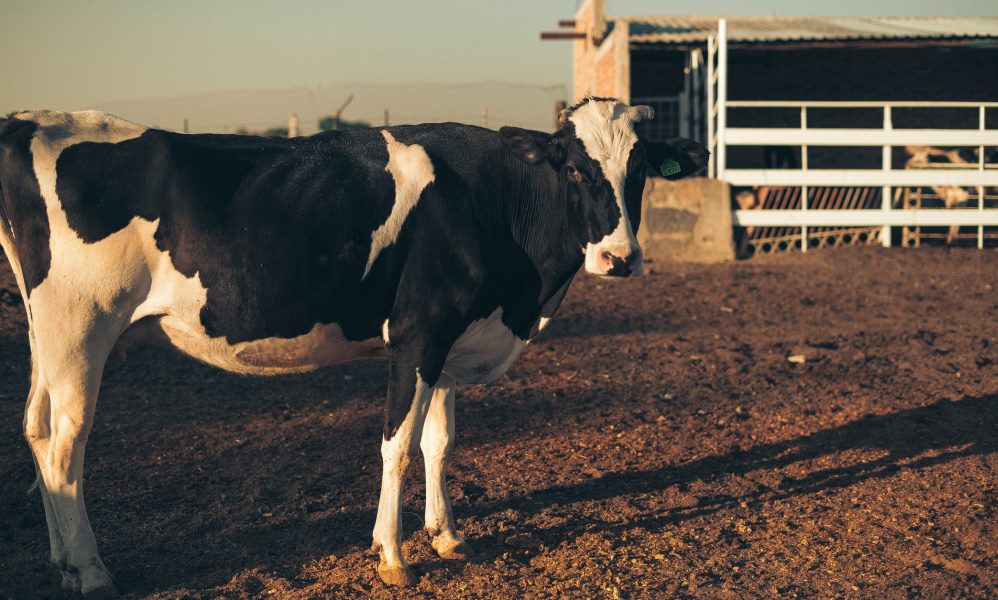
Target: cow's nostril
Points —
{"points": [[607, 257]]}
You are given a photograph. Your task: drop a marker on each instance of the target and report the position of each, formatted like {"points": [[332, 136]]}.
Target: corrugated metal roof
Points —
{"points": [[682, 29]]}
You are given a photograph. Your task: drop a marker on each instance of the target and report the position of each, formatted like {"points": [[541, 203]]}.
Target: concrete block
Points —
{"points": [[688, 220]]}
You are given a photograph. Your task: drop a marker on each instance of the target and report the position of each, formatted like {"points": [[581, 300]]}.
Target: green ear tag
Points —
{"points": [[670, 167]]}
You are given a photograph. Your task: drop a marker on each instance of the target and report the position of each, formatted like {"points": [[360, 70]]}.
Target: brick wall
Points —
{"points": [[584, 53], [606, 73], [596, 58]]}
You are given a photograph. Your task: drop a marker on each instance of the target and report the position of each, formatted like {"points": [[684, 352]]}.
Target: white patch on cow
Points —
{"points": [[384, 332], [484, 351], [606, 129], [412, 171], [99, 278]]}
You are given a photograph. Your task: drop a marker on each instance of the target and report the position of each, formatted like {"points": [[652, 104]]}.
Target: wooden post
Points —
{"points": [[711, 60], [293, 125], [684, 98]]}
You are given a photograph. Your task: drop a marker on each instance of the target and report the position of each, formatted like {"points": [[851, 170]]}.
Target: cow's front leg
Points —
{"points": [[408, 400], [436, 445]]}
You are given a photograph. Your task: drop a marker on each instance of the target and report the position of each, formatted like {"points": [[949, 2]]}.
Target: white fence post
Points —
{"points": [[722, 95], [803, 189], [980, 188], [885, 191]]}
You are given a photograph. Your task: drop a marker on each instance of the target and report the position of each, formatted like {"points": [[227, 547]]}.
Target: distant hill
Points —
{"points": [[259, 110]]}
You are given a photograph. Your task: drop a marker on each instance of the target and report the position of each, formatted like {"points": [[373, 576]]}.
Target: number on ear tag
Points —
{"points": [[670, 167]]}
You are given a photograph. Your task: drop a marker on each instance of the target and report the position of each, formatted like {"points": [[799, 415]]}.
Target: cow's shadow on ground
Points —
{"points": [[911, 439]]}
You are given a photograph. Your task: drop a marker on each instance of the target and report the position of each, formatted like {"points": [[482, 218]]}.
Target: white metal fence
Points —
{"points": [[886, 137]]}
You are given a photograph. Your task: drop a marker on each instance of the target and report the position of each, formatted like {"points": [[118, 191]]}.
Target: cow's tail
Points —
{"points": [[7, 236], [6, 229]]}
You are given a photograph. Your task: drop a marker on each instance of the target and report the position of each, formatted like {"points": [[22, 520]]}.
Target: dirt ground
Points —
{"points": [[655, 441]]}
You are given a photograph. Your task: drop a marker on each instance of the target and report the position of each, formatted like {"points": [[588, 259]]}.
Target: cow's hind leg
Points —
{"points": [[436, 444], [408, 401], [397, 452], [57, 422], [38, 400]]}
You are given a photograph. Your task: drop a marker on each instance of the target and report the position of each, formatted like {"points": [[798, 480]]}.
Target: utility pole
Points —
{"points": [[185, 125], [386, 117], [485, 116], [293, 125], [339, 111]]}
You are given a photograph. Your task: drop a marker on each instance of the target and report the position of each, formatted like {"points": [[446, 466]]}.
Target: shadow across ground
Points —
{"points": [[912, 439]]}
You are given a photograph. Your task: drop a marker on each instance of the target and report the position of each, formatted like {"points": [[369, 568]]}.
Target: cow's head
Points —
{"points": [[601, 166]]}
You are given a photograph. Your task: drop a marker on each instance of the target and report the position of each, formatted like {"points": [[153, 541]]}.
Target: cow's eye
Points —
{"points": [[573, 173]]}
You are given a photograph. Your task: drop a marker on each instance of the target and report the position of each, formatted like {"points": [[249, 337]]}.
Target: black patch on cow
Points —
{"points": [[277, 230], [21, 204], [571, 109], [634, 185]]}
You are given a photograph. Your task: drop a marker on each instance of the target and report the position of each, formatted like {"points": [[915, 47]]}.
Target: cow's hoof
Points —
{"points": [[458, 551], [396, 575], [70, 581], [105, 592]]}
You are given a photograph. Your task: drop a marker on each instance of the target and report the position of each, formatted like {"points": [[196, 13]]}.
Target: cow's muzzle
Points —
{"points": [[615, 262]]}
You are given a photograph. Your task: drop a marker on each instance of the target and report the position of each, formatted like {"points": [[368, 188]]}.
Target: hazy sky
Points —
{"points": [[71, 54]]}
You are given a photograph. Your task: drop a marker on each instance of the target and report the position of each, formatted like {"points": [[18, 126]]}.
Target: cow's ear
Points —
{"points": [[531, 146], [676, 158]]}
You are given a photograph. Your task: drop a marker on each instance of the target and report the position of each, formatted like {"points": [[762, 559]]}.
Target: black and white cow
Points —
{"points": [[443, 247]]}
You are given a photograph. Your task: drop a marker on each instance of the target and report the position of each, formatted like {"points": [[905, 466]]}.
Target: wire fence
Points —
{"points": [[490, 104]]}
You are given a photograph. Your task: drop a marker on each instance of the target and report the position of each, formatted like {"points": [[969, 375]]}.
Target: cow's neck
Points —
{"points": [[537, 217]]}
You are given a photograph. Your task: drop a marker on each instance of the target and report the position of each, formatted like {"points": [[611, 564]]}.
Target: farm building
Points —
{"points": [[791, 106]]}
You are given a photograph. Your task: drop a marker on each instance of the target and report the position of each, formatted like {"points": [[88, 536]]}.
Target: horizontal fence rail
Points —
{"points": [[862, 177], [866, 217], [758, 136]]}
